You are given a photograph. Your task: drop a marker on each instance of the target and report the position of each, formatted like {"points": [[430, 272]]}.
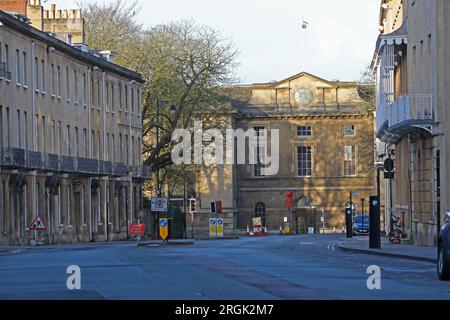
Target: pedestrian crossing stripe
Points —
{"points": [[38, 224]]}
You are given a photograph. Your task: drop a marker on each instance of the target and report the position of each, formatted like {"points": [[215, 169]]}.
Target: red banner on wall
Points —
{"points": [[290, 200]]}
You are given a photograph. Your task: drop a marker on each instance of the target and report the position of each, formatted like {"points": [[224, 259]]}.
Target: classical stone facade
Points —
{"points": [[411, 63], [326, 150], [70, 139]]}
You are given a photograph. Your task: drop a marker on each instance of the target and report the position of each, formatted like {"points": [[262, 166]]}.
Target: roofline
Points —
{"points": [[14, 23], [303, 73]]}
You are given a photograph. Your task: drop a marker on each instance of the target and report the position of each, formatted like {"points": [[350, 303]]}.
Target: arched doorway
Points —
{"points": [[260, 212]]}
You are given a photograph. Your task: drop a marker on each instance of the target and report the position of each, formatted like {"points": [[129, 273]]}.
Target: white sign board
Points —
{"points": [[159, 204]]}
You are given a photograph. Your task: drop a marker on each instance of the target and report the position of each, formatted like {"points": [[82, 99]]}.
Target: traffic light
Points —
{"points": [[192, 205]]}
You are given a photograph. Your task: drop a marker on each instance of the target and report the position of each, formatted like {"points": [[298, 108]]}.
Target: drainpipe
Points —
{"points": [[130, 157], [105, 179], [34, 124], [90, 138]]}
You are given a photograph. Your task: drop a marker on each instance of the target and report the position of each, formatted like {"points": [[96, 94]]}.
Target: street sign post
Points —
{"points": [[220, 227], [159, 204], [213, 227], [164, 228], [374, 223], [38, 224], [349, 222]]}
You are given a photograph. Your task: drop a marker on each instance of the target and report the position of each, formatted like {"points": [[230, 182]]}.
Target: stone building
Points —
{"points": [[411, 62], [70, 137], [326, 150]]}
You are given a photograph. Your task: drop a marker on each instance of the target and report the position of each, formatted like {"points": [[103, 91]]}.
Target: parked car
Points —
{"points": [[361, 225], [444, 251]]}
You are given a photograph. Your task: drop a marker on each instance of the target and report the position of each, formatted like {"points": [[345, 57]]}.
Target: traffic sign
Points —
{"points": [[159, 204], [38, 224], [164, 228], [137, 229], [220, 227], [213, 227]]}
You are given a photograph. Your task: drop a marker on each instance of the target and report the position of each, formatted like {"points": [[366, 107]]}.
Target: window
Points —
{"points": [[44, 138], [18, 73], [84, 89], [120, 97], [304, 161], [60, 145], [77, 142], [53, 136], [68, 142], [25, 129], [132, 100], [127, 143], [92, 143], [304, 131], [75, 75], [43, 75], [107, 148], [36, 73], [69, 205], [98, 94], [113, 148], [24, 69], [6, 63], [38, 133], [58, 82], [120, 148], [350, 161], [7, 128], [112, 98], [107, 97], [67, 84], [86, 143], [126, 98], [350, 130], [52, 80], [18, 130]]}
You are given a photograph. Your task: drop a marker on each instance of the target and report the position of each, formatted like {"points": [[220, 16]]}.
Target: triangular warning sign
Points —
{"points": [[38, 224]]}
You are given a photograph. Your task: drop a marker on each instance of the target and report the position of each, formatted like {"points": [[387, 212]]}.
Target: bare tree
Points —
{"points": [[189, 66], [113, 26], [367, 86]]}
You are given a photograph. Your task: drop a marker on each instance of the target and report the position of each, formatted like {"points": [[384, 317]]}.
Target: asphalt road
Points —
{"points": [[271, 268]]}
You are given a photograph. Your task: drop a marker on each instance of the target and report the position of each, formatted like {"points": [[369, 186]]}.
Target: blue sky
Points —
{"points": [[338, 43]]}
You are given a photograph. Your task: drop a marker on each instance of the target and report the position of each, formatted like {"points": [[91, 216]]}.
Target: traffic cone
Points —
{"points": [[265, 231], [281, 230], [248, 231]]}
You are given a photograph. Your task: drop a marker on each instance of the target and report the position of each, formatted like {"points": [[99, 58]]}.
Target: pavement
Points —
{"points": [[267, 268], [361, 245]]}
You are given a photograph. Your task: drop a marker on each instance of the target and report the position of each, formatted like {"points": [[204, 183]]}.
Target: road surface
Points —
{"points": [[271, 268]]}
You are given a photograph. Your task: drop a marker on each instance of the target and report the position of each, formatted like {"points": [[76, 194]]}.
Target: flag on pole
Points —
{"points": [[305, 24]]}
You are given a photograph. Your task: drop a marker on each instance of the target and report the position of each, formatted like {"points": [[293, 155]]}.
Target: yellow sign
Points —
{"points": [[220, 227], [213, 227], [287, 228], [257, 222], [164, 228]]}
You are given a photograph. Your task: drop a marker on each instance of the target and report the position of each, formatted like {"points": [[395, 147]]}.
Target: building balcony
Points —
{"points": [[34, 161], [88, 166], [119, 170], [51, 162], [19, 159], [408, 115], [106, 168], [12, 158], [68, 164]]}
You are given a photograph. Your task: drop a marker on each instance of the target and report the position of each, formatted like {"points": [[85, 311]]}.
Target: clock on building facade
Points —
{"points": [[304, 97]]}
